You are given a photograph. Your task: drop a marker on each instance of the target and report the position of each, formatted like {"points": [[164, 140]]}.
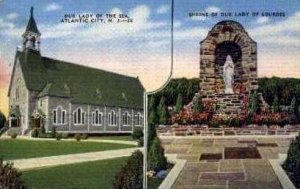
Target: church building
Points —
{"points": [[46, 92]]}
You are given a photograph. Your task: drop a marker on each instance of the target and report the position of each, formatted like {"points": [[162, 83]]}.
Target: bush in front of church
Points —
{"points": [[10, 177], [131, 174]]}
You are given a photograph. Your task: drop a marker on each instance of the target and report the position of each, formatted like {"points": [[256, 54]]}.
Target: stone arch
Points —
{"points": [[227, 31]]}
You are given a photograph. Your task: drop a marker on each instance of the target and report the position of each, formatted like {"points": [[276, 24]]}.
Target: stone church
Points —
{"points": [[228, 68], [46, 92]]}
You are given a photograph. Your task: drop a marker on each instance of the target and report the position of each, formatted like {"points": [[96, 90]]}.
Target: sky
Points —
{"points": [[142, 48]]}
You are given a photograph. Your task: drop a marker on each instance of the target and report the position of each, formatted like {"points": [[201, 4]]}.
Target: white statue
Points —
{"points": [[228, 72]]}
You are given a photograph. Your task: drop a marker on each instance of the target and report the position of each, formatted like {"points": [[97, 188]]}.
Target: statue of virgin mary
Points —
{"points": [[228, 72]]}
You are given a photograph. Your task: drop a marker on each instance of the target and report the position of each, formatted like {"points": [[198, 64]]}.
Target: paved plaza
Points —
{"points": [[227, 162]]}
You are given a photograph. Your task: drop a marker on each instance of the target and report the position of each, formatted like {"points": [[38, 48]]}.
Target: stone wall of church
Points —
{"points": [[60, 104], [21, 99]]}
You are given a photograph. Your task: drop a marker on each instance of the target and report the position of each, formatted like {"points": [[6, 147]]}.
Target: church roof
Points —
{"points": [[81, 84], [31, 26]]}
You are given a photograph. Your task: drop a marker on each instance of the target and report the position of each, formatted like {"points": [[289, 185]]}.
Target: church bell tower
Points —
{"points": [[31, 36]]}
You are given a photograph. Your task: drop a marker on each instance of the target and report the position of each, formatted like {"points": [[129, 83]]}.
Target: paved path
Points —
{"points": [[72, 139], [222, 162], [33, 163]]}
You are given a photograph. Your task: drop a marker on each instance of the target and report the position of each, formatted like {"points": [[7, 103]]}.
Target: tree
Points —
{"points": [[10, 177], [2, 120], [179, 103], [156, 157], [254, 103], [292, 163], [275, 105], [293, 106], [153, 118], [197, 106], [131, 175], [137, 133], [151, 134], [162, 111]]}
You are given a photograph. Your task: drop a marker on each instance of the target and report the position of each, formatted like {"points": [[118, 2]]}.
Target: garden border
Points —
{"points": [[283, 178], [174, 173]]}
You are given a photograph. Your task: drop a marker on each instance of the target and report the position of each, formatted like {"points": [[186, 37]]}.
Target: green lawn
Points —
{"points": [[93, 175], [18, 149], [125, 138]]}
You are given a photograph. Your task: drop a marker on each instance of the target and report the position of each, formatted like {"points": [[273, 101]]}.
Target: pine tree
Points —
{"points": [[179, 103], [162, 111], [151, 134], [293, 107], [153, 118], [254, 103], [292, 163], [197, 106], [275, 105], [156, 157]]}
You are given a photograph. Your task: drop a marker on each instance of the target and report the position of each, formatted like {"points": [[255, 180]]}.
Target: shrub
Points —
{"points": [[77, 137], [162, 111], [292, 163], [141, 142], [254, 103], [197, 106], [53, 131], [41, 132], [10, 177], [84, 136], [131, 175], [137, 133], [151, 134], [58, 136], [275, 105], [34, 133], [179, 103], [14, 135], [65, 135], [156, 157]]}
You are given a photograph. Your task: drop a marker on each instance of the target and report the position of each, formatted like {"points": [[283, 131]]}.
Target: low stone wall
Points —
{"points": [[284, 180]]}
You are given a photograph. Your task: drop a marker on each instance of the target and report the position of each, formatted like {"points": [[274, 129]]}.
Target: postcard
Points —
{"points": [[149, 94]]}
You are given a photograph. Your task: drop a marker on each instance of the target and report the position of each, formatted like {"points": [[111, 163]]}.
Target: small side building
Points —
{"points": [[45, 92]]}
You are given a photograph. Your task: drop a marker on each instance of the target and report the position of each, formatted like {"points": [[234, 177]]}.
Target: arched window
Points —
{"points": [[79, 116], [112, 118], [126, 119], [59, 116], [97, 117], [139, 119]]}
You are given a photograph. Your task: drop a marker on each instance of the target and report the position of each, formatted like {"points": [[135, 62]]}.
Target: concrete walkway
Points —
{"points": [[72, 139], [34, 163]]}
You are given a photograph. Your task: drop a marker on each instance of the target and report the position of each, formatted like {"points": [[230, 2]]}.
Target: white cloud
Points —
{"points": [[4, 25], [208, 10], [262, 20], [284, 32], [53, 7], [12, 16], [116, 11], [177, 24], [163, 9], [195, 32], [212, 9]]}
